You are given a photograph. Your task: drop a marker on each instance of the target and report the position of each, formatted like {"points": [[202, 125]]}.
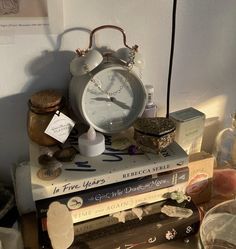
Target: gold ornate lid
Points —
{"points": [[158, 126]]}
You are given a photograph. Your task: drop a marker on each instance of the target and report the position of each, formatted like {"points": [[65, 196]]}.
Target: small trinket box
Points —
{"points": [[189, 129], [154, 134]]}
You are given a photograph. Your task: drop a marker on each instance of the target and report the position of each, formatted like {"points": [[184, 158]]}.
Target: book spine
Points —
{"points": [[118, 190], [142, 236], [122, 204], [106, 179], [134, 187], [108, 220], [153, 229]]}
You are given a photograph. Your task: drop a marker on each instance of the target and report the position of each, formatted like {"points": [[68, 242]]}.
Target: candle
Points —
{"points": [[91, 143]]}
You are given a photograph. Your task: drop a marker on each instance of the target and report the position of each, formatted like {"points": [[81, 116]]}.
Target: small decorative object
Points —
{"points": [[91, 143], [133, 149], [225, 146], [150, 110], [179, 212], [106, 90], [51, 167], [42, 107], [66, 154], [121, 216], [154, 134], [179, 196], [60, 226], [189, 124], [138, 212], [49, 162], [171, 234]]}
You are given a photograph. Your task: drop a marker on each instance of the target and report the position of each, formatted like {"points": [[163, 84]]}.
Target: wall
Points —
{"points": [[203, 69]]}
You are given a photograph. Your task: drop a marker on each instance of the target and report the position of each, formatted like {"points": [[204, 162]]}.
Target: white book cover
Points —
{"points": [[110, 167]]}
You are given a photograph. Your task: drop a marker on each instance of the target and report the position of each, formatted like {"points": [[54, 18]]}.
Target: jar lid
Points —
{"points": [[154, 126], [46, 99]]}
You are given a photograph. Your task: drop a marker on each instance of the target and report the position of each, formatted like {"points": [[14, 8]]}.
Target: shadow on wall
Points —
{"points": [[13, 134], [49, 70]]}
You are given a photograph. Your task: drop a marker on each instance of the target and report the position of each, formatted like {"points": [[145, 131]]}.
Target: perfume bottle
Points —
{"points": [[225, 146], [150, 108]]}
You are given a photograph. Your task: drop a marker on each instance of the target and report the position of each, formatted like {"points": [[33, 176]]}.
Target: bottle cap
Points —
{"points": [[150, 93], [149, 88]]}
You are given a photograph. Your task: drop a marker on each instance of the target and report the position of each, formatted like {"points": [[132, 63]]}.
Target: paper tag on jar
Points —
{"points": [[60, 127]]}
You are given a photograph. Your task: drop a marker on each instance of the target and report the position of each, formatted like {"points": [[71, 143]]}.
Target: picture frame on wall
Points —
{"points": [[31, 17]]}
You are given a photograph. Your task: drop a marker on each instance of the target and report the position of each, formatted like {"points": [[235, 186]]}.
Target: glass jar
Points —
{"points": [[225, 146], [42, 107], [218, 227]]}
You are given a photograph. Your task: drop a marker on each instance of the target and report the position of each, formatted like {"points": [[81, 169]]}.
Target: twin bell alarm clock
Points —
{"points": [[106, 89]]}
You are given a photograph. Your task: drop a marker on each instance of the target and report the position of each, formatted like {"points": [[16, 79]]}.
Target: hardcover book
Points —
{"points": [[152, 229], [114, 191], [111, 167]]}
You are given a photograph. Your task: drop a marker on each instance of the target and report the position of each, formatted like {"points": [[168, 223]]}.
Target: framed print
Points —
{"points": [[31, 16]]}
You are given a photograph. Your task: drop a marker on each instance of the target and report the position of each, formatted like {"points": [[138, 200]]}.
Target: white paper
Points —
{"points": [[60, 127]]}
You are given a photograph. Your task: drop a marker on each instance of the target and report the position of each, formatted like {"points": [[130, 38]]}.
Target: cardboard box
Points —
{"points": [[189, 129], [199, 186]]}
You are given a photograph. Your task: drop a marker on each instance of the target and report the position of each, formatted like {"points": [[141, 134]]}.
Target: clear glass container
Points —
{"points": [[218, 227], [225, 146]]}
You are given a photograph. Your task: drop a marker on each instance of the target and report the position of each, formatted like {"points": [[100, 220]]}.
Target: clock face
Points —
{"points": [[113, 99]]}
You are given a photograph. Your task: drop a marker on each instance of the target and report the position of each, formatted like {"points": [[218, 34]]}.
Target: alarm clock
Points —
{"points": [[106, 90]]}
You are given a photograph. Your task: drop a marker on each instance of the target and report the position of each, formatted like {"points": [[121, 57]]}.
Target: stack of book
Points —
{"points": [[117, 195]]}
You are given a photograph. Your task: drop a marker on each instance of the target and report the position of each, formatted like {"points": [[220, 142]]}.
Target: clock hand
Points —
{"points": [[113, 100], [102, 99], [119, 103]]}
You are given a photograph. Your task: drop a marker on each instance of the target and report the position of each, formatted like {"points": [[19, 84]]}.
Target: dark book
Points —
{"points": [[153, 229]]}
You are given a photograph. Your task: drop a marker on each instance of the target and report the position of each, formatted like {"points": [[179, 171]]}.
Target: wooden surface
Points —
{"points": [[29, 231], [30, 237]]}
